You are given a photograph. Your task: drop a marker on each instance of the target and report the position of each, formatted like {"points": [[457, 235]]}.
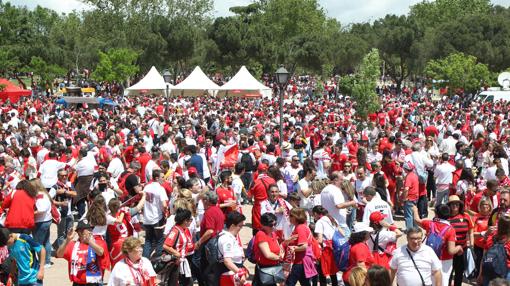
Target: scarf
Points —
{"points": [[140, 275], [92, 268]]}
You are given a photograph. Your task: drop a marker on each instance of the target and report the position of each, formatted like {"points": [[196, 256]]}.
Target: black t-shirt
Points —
{"points": [[131, 182]]}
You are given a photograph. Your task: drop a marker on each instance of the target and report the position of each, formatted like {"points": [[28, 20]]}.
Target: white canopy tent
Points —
{"points": [[196, 84], [245, 85], [153, 82]]}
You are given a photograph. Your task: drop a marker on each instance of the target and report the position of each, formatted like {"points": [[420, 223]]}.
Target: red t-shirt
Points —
{"points": [[359, 253], [413, 184], [81, 275], [143, 159], [481, 224], [176, 238], [303, 236], [448, 236], [213, 219], [224, 195], [274, 247]]}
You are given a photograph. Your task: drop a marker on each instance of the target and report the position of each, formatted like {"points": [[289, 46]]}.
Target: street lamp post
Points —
{"points": [[167, 76], [282, 78]]}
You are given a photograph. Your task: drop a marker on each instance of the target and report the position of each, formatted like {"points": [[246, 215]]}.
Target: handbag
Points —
{"points": [[271, 275]]}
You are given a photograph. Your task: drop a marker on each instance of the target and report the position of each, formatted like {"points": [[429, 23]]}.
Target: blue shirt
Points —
{"points": [[197, 162], [23, 250]]}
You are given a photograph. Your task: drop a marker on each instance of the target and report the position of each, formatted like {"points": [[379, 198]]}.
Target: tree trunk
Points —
{"points": [[19, 80]]}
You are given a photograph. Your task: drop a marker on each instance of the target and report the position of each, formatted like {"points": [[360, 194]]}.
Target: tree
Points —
{"points": [[361, 85], [116, 65], [397, 37], [459, 71], [46, 72]]}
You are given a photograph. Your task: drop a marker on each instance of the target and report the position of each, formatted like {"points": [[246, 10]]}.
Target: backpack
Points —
{"points": [[121, 182], [212, 251], [249, 165], [435, 240], [494, 262], [250, 253], [289, 182], [341, 250]]}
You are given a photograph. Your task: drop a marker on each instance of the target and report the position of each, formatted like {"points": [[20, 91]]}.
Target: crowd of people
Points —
{"points": [[160, 199]]}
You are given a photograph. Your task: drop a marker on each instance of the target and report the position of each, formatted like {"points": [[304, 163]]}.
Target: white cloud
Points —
{"points": [[346, 11]]}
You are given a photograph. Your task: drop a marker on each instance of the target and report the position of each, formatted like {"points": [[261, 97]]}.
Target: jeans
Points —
{"points": [[297, 273], [442, 195], [154, 239], [408, 214], [423, 207], [42, 236], [65, 224], [38, 283], [81, 205]]}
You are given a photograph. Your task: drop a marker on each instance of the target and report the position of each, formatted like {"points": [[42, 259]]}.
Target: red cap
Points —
{"points": [[377, 217], [192, 170]]}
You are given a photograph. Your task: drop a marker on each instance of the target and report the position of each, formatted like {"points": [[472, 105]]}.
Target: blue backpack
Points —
{"points": [[289, 182], [341, 251], [250, 254], [435, 240], [494, 262]]}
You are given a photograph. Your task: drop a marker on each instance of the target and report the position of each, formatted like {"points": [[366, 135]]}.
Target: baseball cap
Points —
{"points": [[192, 170], [361, 227], [262, 167], [377, 217]]}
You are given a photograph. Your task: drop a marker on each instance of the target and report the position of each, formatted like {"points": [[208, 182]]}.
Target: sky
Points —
{"points": [[346, 11]]}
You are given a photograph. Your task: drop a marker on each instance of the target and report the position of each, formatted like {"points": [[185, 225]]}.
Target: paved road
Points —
{"points": [[58, 273]]}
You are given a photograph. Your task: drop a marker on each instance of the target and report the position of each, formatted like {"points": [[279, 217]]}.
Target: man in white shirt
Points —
{"points": [[422, 161], [375, 204], [443, 175], [333, 200], [322, 161], [362, 181], [43, 152], [156, 204], [305, 191], [153, 164], [49, 170], [415, 264], [448, 144]]}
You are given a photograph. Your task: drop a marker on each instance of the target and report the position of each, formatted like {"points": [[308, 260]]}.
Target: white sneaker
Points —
{"points": [[46, 266]]}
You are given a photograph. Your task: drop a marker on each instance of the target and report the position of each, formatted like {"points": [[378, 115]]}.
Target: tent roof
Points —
{"points": [[153, 82], [195, 84], [243, 84], [12, 91]]}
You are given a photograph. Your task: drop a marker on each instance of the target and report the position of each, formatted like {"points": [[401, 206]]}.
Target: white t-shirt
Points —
{"points": [[122, 276], [305, 203], [320, 157], [43, 205], [385, 237], [426, 260], [377, 205], [331, 196], [229, 247], [49, 172], [325, 227], [443, 173], [153, 208], [360, 186], [116, 168], [151, 165]]}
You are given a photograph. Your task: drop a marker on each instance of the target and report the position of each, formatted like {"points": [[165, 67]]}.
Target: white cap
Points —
{"points": [[360, 227]]}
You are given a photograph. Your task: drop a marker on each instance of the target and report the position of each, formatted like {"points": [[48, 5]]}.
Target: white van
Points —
{"points": [[493, 96]]}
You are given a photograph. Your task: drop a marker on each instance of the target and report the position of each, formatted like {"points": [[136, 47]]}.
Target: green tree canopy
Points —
{"points": [[459, 71], [116, 65], [361, 85]]}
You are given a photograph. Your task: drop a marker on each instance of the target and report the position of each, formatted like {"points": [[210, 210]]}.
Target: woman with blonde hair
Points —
{"points": [[358, 276], [43, 218], [349, 194], [133, 269], [317, 186]]}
